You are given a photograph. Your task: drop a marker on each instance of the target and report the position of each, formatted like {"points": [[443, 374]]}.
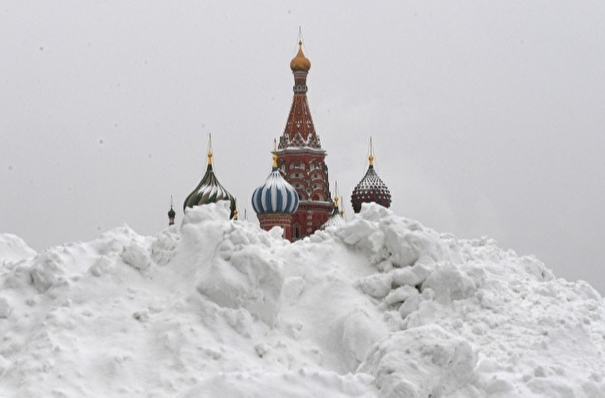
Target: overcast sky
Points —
{"points": [[487, 117]]}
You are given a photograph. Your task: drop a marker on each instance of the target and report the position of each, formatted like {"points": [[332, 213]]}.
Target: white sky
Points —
{"points": [[487, 117]]}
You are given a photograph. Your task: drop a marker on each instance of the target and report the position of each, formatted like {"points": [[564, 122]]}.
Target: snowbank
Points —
{"points": [[377, 307]]}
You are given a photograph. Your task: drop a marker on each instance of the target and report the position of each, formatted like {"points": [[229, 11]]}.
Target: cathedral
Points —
{"points": [[296, 194]]}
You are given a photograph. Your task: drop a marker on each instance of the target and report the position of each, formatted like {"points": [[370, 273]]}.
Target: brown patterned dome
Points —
{"points": [[370, 189]]}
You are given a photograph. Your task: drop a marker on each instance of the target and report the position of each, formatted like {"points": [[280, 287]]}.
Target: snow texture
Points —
{"points": [[379, 306]]}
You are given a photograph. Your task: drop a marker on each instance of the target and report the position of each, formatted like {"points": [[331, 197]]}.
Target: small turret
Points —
{"points": [[171, 214], [235, 212], [337, 217]]}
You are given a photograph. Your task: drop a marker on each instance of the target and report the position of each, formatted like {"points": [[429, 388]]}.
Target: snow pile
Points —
{"points": [[402, 363], [377, 307]]}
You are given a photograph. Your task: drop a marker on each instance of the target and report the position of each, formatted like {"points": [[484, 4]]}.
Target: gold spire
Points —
{"points": [[336, 194], [209, 148], [300, 62], [371, 157], [235, 212], [274, 153], [342, 211]]}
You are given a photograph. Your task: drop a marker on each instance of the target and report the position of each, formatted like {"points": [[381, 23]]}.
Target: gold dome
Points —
{"points": [[300, 62]]}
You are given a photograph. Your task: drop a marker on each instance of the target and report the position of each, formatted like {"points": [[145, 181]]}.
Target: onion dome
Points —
{"points": [[276, 195], [300, 62], [370, 189], [209, 190]]}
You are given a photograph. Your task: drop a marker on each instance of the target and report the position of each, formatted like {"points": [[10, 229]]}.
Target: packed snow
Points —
{"points": [[378, 306]]}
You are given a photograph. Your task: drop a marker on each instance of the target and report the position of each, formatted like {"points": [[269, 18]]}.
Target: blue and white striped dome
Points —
{"points": [[276, 195]]}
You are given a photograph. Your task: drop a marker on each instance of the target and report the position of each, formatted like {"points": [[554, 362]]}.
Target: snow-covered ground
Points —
{"points": [[377, 307]]}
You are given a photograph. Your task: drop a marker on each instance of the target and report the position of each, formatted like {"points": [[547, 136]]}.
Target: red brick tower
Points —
{"points": [[301, 158]]}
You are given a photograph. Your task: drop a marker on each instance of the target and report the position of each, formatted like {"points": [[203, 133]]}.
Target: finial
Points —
{"points": [[209, 148], [235, 212], [300, 40], [342, 211], [274, 153], [371, 157]]}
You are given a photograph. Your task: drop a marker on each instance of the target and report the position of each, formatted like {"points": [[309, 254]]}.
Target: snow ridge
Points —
{"points": [[378, 307]]}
